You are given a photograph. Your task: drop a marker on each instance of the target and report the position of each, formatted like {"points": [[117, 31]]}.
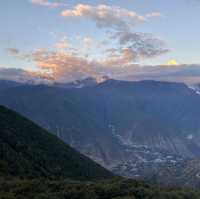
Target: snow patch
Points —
{"points": [[196, 90], [190, 137]]}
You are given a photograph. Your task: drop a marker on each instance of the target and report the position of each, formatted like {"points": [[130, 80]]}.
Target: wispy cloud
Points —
{"points": [[13, 51], [131, 46], [48, 3], [105, 16], [123, 49], [140, 45], [88, 42], [63, 44], [153, 14]]}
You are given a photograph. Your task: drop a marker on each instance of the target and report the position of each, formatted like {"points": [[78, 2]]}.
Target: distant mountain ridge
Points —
{"points": [[4, 84], [87, 82]]}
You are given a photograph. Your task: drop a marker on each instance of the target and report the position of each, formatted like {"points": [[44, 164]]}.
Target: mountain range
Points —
{"points": [[36, 164], [136, 129]]}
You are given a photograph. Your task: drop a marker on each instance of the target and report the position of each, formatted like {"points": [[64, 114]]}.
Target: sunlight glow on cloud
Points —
{"points": [[130, 46], [123, 49], [172, 62], [105, 16], [189, 74], [63, 44], [63, 66]]}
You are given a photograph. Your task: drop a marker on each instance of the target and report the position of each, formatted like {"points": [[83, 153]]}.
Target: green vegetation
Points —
{"points": [[26, 150], [112, 189], [36, 165]]}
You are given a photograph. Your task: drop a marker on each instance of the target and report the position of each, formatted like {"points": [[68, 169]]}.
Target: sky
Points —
{"points": [[64, 40]]}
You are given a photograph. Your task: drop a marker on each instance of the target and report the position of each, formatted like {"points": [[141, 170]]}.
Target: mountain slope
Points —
{"points": [[154, 113], [27, 150], [66, 113], [117, 123]]}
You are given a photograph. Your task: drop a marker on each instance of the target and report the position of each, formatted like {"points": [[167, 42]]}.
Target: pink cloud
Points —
{"points": [[105, 16]]}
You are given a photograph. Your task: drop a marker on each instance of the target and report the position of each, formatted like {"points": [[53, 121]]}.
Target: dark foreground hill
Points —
{"points": [[26, 150]]}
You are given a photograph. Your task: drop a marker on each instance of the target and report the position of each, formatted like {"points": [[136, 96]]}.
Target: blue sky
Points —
{"points": [[28, 26]]}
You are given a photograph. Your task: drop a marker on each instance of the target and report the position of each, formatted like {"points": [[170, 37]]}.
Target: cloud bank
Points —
{"points": [[22, 75], [189, 74]]}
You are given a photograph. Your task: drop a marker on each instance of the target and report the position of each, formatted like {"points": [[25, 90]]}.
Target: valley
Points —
{"points": [[99, 99], [35, 164], [136, 129]]}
